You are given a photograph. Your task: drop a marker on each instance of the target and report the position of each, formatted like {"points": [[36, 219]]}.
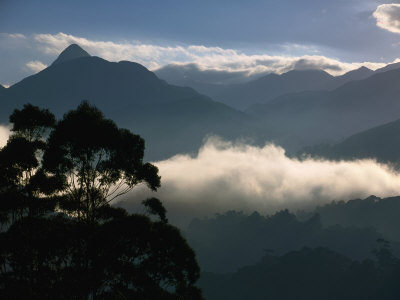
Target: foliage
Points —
{"points": [[19, 165], [61, 238], [97, 160]]}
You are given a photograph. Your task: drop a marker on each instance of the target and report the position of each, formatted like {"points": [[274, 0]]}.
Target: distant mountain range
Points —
{"points": [[312, 117], [260, 90], [381, 143], [310, 109]]}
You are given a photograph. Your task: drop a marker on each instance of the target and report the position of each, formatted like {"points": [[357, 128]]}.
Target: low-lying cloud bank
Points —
{"points": [[226, 176], [235, 176], [4, 134]]}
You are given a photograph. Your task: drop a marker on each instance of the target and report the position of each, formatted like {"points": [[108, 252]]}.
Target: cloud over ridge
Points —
{"points": [[36, 66], [225, 176], [206, 58]]}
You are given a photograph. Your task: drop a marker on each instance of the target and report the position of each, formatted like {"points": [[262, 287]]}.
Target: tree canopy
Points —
{"points": [[61, 237]]}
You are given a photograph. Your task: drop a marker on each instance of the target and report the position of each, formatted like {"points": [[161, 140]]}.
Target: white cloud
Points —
{"points": [[36, 66], [4, 134], [207, 58], [388, 17], [16, 35], [225, 176]]}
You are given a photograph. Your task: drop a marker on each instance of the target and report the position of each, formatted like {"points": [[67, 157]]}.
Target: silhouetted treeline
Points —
{"points": [[380, 213], [310, 274], [234, 239]]}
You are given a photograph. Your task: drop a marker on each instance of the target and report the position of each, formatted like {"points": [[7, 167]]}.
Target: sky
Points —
{"points": [[253, 36]]}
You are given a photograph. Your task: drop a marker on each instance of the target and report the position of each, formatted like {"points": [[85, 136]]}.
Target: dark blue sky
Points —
{"points": [[345, 30]]}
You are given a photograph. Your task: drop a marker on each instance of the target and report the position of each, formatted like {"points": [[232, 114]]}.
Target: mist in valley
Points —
{"points": [[227, 175]]}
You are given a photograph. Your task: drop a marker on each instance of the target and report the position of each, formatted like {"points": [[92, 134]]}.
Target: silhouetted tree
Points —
{"points": [[78, 246], [97, 161], [20, 164]]}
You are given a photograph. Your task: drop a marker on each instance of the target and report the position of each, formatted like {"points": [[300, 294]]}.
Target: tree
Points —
{"points": [[85, 162], [97, 161], [19, 163]]}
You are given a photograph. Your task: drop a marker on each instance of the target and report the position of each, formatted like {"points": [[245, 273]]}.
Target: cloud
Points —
{"points": [[388, 17], [4, 134], [225, 176], [174, 73], [36, 66], [206, 58], [16, 36]]}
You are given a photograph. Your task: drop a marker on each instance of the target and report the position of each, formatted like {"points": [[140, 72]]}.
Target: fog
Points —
{"points": [[234, 176], [226, 176], [4, 133]]}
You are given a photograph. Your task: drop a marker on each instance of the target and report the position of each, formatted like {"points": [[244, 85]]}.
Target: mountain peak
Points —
{"points": [[73, 51], [364, 68]]}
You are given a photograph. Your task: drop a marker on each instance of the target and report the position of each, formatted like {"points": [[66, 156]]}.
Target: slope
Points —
{"points": [[381, 143]]}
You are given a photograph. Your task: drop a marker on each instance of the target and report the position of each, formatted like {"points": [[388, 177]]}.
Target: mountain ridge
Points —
{"points": [[326, 116], [265, 88], [368, 144], [171, 119]]}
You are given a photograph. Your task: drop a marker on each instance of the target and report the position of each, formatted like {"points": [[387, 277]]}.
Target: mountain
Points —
{"points": [[389, 67], [358, 74], [171, 119], [259, 90], [381, 142], [271, 86], [312, 117], [111, 85], [242, 95], [71, 52]]}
